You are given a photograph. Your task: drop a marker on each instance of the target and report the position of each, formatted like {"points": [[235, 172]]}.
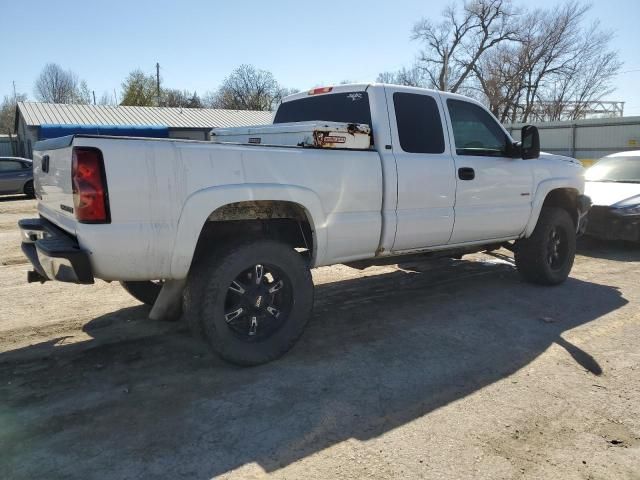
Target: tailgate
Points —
{"points": [[52, 181]]}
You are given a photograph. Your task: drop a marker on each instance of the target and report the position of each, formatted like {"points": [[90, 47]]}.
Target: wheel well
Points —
{"points": [[565, 198], [284, 221]]}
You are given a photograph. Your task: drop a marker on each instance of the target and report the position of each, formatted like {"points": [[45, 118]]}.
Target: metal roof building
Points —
{"points": [[36, 121]]}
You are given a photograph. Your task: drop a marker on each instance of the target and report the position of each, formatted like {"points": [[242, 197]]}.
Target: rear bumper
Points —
{"points": [[604, 222], [54, 254]]}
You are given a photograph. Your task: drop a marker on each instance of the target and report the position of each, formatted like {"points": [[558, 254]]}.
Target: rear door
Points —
{"points": [[13, 175], [426, 176], [493, 192]]}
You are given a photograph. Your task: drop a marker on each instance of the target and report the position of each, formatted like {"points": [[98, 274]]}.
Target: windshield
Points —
{"points": [[615, 169], [349, 107]]}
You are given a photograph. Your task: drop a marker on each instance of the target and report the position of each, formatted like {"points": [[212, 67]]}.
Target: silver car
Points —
{"points": [[16, 176]]}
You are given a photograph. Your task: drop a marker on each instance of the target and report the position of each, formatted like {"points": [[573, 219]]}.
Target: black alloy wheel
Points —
{"points": [[258, 302]]}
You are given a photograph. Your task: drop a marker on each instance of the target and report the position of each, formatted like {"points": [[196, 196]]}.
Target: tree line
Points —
{"points": [[523, 64], [246, 88]]}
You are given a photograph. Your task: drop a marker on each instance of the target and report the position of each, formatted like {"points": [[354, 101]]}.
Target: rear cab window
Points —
{"points": [[419, 123], [348, 107]]}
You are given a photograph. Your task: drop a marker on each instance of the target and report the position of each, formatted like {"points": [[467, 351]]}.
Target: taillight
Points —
{"points": [[319, 90], [90, 200]]}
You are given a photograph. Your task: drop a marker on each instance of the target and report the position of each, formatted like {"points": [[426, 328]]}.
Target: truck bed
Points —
{"points": [[159, 189]]}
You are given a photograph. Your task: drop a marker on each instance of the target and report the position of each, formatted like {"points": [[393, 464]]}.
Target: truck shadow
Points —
{"points": [[380, 351], [11, 198], [609, 249]]}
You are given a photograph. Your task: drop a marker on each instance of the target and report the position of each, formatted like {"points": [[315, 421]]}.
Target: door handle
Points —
{"points": [[466, 173]]}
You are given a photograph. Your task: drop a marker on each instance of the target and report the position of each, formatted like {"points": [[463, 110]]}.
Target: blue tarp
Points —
{"points": [[54, 131]]}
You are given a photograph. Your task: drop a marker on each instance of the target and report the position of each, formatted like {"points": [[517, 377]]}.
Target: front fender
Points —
{"points": [[201, 204], [544, 188]]}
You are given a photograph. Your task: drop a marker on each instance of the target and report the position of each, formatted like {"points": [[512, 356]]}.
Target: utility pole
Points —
{"points": [[94, 96], [15, 97], [158, 82]]}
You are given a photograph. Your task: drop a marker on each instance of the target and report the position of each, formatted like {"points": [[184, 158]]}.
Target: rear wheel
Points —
{"points": [[28, 189], [252, 301], [146, 291], [547, 256]]}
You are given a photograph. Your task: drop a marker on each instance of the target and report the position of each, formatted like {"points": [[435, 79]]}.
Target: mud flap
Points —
{"points": [[168, 305]]}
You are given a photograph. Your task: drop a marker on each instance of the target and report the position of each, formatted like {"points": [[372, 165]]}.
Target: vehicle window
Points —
{"points": [[419, 123], [475, 131], [615, 169], [349, 107], [10, 165]]}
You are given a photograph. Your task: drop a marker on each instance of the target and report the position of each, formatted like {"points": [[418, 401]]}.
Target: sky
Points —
{"points": [[198, 43]]}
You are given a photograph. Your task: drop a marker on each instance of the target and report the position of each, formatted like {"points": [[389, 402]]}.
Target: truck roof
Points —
{"points": [[358, 87]]}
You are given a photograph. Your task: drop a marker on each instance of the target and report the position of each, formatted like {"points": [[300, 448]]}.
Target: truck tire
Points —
{"points": [[145, 291], [546, 257], [252, 301]]}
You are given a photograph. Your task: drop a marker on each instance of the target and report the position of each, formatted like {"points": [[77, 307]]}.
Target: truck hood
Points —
{"points": [[610, 193], [562, 158]]}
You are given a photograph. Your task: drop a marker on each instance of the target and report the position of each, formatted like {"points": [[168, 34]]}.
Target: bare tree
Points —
{"points": [[454, 46], [553, 70], [106, 99], [499, 82], [525, 65], [56, 85], [8, 112], [247, 88], [410, 77], [180, 98], [585, 78]]}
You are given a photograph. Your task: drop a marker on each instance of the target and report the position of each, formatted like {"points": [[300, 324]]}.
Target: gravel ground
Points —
{"points": [[447, 369]]}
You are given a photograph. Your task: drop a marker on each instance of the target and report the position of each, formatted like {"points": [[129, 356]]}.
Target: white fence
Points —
{"points": [[587, 140]]}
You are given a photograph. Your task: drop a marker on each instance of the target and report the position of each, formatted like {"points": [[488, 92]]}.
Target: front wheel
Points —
{"points": [[251, 300], [547, 256]]}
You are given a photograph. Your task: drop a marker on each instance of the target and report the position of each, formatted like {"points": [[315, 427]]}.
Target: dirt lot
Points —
{"points": [[453, 369]]}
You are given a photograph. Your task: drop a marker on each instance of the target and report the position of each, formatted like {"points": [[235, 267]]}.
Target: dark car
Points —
{"points": [[16, 176], [613, 184]]}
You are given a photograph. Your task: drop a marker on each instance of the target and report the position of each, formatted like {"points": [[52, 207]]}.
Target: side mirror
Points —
{"points": [[529, 142]]}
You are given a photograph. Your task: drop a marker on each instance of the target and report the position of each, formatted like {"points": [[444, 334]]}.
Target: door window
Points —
{"points": [[10, 166], [475, 131], [419, 123]]}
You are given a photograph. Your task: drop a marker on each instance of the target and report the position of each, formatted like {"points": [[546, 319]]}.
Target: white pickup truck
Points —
{"points": [[228, 232]]}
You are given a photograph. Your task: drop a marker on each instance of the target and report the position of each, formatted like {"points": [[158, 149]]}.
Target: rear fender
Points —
{"points": [[201, 204]]}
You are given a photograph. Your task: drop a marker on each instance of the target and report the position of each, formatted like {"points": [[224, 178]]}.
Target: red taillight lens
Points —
{"points": [[319, 90], [90, 200]]}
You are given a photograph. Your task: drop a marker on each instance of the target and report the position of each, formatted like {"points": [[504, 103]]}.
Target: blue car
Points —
{"points": [[16, 176]]}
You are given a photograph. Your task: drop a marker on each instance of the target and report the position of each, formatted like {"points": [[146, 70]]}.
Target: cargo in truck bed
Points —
{"points": [[350, 136]]}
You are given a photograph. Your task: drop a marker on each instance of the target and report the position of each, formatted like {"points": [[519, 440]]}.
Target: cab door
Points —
{"points": [[426, 176], [494, 190]]}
